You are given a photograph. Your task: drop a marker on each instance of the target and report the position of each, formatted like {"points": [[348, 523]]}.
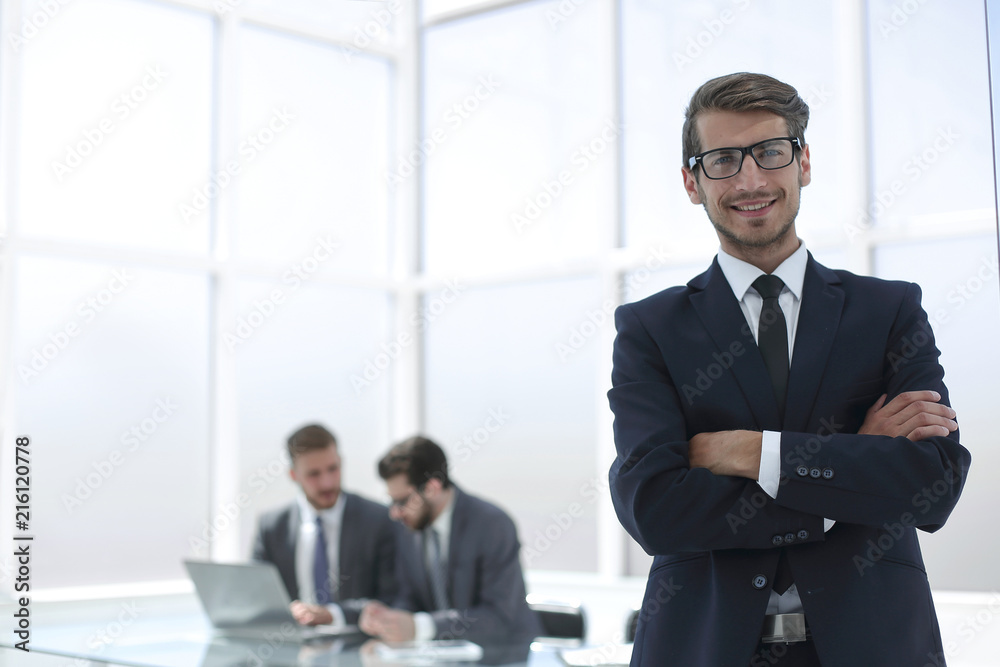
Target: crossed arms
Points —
{"points": [[914, 415], [676, 478]]}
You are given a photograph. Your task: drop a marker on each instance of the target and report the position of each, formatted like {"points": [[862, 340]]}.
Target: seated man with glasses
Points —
{"points": [[777, 423], [458, 564]]}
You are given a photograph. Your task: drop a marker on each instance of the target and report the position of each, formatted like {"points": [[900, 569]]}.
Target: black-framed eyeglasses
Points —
{"points": [[720, 163], [402, 502]]}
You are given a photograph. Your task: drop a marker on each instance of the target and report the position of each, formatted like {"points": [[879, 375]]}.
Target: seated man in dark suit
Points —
{"points": [[335, 550], [458, 568]]}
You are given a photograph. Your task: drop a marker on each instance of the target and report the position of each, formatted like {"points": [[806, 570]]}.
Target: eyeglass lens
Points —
{"points": [[772, 154]]}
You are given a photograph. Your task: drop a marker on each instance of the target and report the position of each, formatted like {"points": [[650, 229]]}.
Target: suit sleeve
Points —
{"points": [[386, 582], [664, 504], [500, 596], [869, 479], [259, 552], [370, 573], [406, 596]]}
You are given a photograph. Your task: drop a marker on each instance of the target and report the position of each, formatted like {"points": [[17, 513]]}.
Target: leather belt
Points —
{"points": [[785, 628]]}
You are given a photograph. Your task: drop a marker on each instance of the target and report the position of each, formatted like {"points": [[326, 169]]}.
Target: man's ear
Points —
{"points": [[805, 167], [434, 486], [691, 185]]}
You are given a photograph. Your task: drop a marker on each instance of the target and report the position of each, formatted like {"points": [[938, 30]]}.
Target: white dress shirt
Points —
{"points": [[305, 550], [740, 276]]}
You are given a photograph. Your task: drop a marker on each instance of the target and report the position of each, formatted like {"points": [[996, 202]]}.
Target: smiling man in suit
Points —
{"points": [[335, 550], [782, 429], [459, 566]]}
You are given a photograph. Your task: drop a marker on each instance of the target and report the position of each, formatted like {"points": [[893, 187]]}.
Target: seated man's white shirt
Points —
{"points": [[305, 550]]}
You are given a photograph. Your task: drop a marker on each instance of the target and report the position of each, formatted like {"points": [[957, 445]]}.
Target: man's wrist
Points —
{"points": [[750, 450]]}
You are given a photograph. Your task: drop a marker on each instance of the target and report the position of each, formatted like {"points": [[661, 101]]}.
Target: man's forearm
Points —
{"points": [[733, 453]]}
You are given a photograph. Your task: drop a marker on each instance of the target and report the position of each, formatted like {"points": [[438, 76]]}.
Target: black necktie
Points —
{"points": [[772, 339]]}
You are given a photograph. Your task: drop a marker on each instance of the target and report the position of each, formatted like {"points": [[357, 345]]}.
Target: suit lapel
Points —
{"points": [[720, 314], [292, 540], [819, 319], [459, 526]]}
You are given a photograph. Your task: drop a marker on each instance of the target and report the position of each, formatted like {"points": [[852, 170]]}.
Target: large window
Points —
{"points": [[226, 218]]}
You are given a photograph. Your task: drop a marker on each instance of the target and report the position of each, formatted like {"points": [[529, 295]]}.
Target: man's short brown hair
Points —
{"points": [[744, 91], [308, 439], [419, 458]]}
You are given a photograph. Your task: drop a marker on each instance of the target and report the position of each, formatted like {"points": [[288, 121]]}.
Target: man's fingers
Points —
{"points": [[924, 432], [912, 404], [914, 414], [900, 402], [925, 420], [368, 624], [878, 404], [929, 412]]}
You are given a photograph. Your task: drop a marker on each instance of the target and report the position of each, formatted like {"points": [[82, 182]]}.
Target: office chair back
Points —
{"points": [[631, 623], [560, 619]]}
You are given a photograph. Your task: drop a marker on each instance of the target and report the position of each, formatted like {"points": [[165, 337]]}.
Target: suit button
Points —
{"points": [[759, 582], [802, 471], [777, 540], [827, 473], [803, 534], [815, 473], [789, 538]]}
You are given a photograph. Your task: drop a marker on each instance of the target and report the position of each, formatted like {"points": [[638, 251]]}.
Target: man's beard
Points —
{"points": [[758, 241], [424, 518]]}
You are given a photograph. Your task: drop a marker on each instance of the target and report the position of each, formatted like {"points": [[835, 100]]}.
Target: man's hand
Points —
{"points": [[311, 614], [914, 414], [391, 625], [735, 453]]}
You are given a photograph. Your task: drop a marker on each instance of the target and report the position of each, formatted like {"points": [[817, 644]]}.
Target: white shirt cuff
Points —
{"points": [[337, 613], [770, 463], [424, 627], [769, 473]]}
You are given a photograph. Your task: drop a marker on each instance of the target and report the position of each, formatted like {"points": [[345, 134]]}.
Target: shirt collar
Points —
{"points": [[740, 275], [331, 516], [442, 524]]}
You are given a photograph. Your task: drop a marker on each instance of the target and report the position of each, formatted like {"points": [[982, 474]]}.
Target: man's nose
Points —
{"points": [[750, 175]]}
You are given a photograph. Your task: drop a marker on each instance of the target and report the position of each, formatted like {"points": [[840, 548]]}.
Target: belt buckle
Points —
{"points": [[784, 628]]}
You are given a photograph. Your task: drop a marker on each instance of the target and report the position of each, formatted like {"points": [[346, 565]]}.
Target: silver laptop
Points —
{"points": [[249, 600]]}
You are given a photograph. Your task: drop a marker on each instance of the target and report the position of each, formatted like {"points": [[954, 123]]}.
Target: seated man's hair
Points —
{"points": [[419, 458], [308, 439]]}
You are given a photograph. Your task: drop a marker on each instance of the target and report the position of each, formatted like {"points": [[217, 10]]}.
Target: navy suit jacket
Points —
{"points": [[485, 583], [367, 552], [685, 362]]}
